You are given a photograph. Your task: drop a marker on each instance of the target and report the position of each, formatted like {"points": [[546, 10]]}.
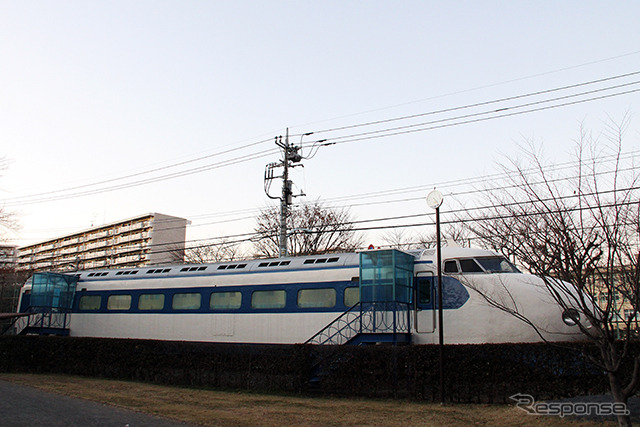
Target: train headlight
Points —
{"points": [[570, 317]]}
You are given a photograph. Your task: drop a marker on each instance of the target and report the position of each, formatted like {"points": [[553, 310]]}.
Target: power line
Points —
{"points": [[463, 119], [248, 237], [484, 87], [440, 124], [444, 184], [425, 126], [468, 180], [454, 194], [146, 172], [625, 190], [412, 225], [161, 178], [450, 194], [479, 104]]}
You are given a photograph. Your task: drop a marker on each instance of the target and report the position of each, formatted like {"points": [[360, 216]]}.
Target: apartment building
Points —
{"points": [[150, 239]]}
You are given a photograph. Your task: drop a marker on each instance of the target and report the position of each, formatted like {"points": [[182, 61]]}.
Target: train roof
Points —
{"points": [[451, 252], [273, 264]]}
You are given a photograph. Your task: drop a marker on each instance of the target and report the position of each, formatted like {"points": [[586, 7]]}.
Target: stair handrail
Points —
{"points": [[367, 322], [40, 318], [22, 317], [331, 330]]}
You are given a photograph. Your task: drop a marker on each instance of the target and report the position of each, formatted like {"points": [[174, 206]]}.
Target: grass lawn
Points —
{"points": [[224, 408]]}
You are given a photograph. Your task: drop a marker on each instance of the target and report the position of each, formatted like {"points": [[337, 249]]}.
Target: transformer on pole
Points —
{"points": [[291, 158]]}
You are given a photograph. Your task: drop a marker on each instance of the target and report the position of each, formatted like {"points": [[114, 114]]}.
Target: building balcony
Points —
{"points": [[95, 254], [71, 250], [129, 248]]}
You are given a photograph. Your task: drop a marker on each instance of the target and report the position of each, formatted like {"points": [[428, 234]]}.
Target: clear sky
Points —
{"points": [[103, 91]]}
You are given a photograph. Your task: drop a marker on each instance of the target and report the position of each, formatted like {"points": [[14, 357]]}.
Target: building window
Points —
{"points": [[119, 302], [268, 299], [225, 300], [317, 298], [351, 296], [151, 302], [90, 302], [189, 301]]}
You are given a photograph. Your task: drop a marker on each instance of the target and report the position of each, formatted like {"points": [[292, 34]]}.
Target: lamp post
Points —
{"points": [[434, 200]]}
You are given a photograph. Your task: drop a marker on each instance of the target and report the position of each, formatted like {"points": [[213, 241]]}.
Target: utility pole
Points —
{"points": [[434, 200], [291, 158]]}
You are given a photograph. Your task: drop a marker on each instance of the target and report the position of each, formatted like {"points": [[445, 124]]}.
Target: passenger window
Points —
{"points": [[189, 301], [451, 267], [268, 299], [225, 301], [470, 266], [351, 296], [316, 298], [151, 302], [90, 302], [119, 302]]}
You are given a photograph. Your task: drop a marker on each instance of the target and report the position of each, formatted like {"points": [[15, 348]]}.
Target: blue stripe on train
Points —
{"points": [[455, 295]]}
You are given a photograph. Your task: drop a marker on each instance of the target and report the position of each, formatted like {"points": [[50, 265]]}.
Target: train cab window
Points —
{"points": [[268, 299], [90, 302], [497, 264], [151, 302], [190, 301], [351, 296], [451, 266], [470, 266], [225, 301], [317, 298], [119, 302]]}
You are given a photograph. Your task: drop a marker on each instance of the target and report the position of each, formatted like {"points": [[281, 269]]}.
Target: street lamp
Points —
{"points": [[434, 200]]}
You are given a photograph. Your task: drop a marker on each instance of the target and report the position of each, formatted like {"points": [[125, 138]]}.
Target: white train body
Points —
{"points": [[289, 300]]}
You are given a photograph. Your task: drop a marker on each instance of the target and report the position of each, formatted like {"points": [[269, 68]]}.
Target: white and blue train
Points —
{"points": [[371, 296]]}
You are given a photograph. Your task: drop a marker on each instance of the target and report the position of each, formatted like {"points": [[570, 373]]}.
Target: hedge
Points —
{"points": [[474, 373]]}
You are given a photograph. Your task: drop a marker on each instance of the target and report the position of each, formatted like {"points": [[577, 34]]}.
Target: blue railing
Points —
{"points": [[44, 321], [365, 318]]}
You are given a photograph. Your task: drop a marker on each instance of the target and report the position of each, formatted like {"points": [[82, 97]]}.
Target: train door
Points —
{"points": [[424, 315]]}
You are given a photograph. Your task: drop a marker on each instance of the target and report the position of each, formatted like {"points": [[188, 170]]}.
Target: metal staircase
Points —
{"points": [[383, 313], [367, 323], [49, 308], [43, 321]]}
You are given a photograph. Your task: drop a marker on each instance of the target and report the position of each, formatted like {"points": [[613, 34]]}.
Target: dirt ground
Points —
{"points": [[225, 408]]}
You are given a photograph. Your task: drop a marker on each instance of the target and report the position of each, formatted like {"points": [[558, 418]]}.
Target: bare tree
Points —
{"points": [[8, 220], [10, 283], [400, 239], [222, 251], [579, 232], [314, 229]]}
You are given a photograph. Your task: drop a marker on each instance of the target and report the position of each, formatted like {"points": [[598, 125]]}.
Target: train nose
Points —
{"points": [[533, 301], [559, 309]]}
